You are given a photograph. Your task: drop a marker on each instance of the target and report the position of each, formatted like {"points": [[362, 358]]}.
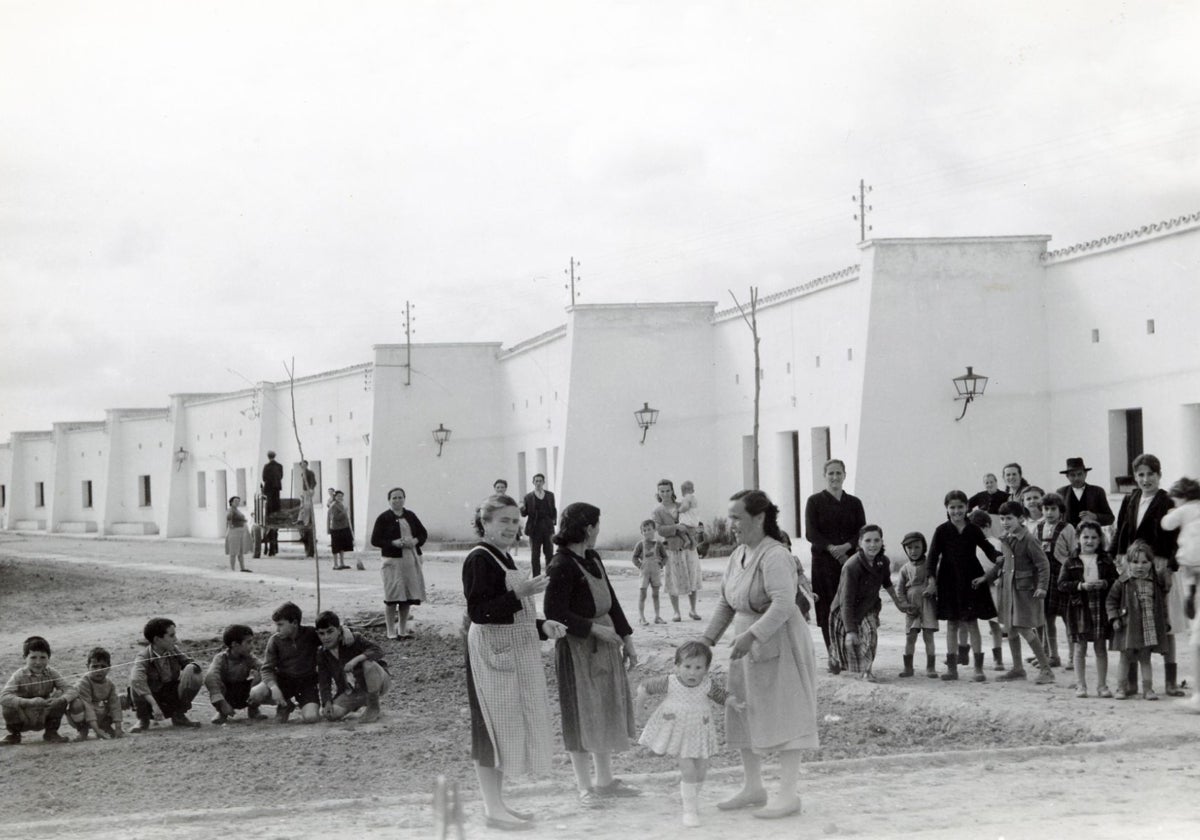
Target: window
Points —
{"points": [[1125, 442], [201, 489], [3, 495], [818, 361], [789, 367], [87, 494], [849, 354], [39, 494], [1150, 327], [143, 491], [737, 379], [1095, 336]]}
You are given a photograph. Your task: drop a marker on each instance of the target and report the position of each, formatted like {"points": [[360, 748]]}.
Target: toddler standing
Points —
{"points": [[1083, 587], [1137, 606], [921, 618], [649, 556], [682, 725]]}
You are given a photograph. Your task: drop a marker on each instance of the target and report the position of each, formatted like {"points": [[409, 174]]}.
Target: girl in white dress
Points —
{"points": [[683, 724]]}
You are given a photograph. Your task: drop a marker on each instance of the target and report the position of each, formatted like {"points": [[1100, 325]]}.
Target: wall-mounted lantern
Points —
{"points": [[969, 386], [646, 417], [440, 435], [181, 455]]}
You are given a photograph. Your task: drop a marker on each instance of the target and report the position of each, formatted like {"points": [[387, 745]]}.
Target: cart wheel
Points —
{"points": [[259, 536]]}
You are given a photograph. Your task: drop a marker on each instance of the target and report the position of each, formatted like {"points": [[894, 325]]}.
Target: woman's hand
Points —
{"points": [[931, 589], [1116, 624], [601, 633], [979, 581], [628, 653], [741, 645], [398, 542], [1039, 593], [554, 629], [531, 587]]}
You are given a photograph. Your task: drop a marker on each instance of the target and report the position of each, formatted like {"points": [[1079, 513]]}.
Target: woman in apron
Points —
{"points": [[506, 684], [593, 688], [399, 535], [772, 668]]}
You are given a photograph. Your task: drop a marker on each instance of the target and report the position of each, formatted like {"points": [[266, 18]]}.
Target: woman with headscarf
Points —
{"points": [[593, 688]]}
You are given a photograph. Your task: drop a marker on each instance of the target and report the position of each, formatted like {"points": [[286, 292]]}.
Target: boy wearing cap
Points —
{"points": [[1084, 501], [921, 617]]}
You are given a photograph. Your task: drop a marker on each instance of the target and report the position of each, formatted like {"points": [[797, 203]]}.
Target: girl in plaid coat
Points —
{"points": [[1083, 586]]}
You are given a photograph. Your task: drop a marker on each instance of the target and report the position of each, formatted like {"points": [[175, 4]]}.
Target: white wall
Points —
{"points": [[32, 461], [139, 443], [81, 455], [6, 481], [456, 385], [534, 392], [1116, 291]]}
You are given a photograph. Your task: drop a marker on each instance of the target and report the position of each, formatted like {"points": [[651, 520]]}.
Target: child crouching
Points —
{"points": [[97, 706], [36, 697], [232, 674], [682, 725], [351, 672]]}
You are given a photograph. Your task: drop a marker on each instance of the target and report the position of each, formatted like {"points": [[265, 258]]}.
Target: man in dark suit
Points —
{"points": [[541, 517], [272, 486], [1084, 501]]}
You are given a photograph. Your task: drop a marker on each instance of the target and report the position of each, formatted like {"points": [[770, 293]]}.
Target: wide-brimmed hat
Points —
{"points": [[1074, 464]]}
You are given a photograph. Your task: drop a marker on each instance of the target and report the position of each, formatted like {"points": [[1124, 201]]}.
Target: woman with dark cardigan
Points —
{"points": [[399, 535], [953, 564], [1140, 518], [506, 685], [593, 688]]}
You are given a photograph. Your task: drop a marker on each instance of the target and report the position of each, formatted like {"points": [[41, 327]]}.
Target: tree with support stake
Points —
{"points": [[306, 491], [751, 320]]}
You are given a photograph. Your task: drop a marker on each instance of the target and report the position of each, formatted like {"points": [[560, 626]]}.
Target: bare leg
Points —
{"points": [[490, 782], [603, 764], [403, 616], [389, 618], [910, 643], [929, 645], [752, 791], [583, 771], [655, 599], [696, 615], [1101, 663], [973, 635], [789, 774], [675, 605], [642, 605]]}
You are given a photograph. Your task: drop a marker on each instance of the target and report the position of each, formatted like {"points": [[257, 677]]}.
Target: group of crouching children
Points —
{"points": [[326, 671], [1063, 572]]}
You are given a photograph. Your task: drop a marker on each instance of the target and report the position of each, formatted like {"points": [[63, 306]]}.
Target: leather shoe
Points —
{"points": [[527, 816], [506, 824], [778, 811], [743, 800]]}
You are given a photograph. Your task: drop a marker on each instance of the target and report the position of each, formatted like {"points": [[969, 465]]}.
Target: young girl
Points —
{"points": [[235, 535], [854, 614], [1137, 606], [341, 535], [1057, 538], [953, 565], [682, 725], [1185, 517], [1014, 482], [983, 522], [1083, 586], [921, 619]]}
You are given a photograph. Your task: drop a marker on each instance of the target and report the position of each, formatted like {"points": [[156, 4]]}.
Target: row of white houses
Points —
{"points": [[1090, 351]]}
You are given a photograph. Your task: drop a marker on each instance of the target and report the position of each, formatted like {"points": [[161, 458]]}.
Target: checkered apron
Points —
{"points": [[506, 665]]}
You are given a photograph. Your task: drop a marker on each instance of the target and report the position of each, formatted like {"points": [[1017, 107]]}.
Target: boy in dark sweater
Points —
{"points": [[289, 669], [351, 672]]}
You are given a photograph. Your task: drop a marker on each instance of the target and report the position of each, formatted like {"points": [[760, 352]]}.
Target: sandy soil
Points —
{"points": [[904, 758]]}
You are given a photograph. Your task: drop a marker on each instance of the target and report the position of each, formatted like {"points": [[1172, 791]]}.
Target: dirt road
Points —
{"points": [[905, 758]]}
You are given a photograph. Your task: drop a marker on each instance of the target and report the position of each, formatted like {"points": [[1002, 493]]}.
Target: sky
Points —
{"points": [[192, 194]]}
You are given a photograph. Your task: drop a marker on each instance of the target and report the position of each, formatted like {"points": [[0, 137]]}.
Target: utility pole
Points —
{"points": [[408, 331], [863, 209], [571, 273], [752, 322]]}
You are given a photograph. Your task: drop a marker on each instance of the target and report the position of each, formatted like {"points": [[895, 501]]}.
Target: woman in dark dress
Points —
{"points": [[953, 563], [506, 685], [593, 688], [399, 535], [1140, 518]]}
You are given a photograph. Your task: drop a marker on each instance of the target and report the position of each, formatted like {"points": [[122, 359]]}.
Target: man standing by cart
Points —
{"points": [[272, 486]]}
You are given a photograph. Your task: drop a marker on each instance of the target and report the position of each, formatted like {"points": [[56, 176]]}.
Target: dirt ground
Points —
{"points": [[903, 758]]}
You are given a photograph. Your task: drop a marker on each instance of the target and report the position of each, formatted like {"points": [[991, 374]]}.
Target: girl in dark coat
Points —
{"points": [[953, 564], [1083, 586]]}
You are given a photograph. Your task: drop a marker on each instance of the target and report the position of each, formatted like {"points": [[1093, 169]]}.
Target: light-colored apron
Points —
{"points": [[510, 684], [605, 703]]}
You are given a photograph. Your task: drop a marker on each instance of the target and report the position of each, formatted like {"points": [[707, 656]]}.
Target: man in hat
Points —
{"points": [[1084, 501]]}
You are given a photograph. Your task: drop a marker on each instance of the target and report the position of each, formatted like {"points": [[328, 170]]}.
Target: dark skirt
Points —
{"points": [[956, 600], [1056, 601], [482, 748], [1087, 616], [341, 540]]}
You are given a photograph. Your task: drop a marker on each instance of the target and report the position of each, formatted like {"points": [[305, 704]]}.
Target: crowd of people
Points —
{"points": [[1018, 558]]}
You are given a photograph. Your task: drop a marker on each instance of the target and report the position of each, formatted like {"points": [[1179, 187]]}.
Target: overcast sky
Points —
{"points": [[191, 193]]}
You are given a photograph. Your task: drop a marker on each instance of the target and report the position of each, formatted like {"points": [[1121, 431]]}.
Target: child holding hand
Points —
{"points": [[683, 725]]}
